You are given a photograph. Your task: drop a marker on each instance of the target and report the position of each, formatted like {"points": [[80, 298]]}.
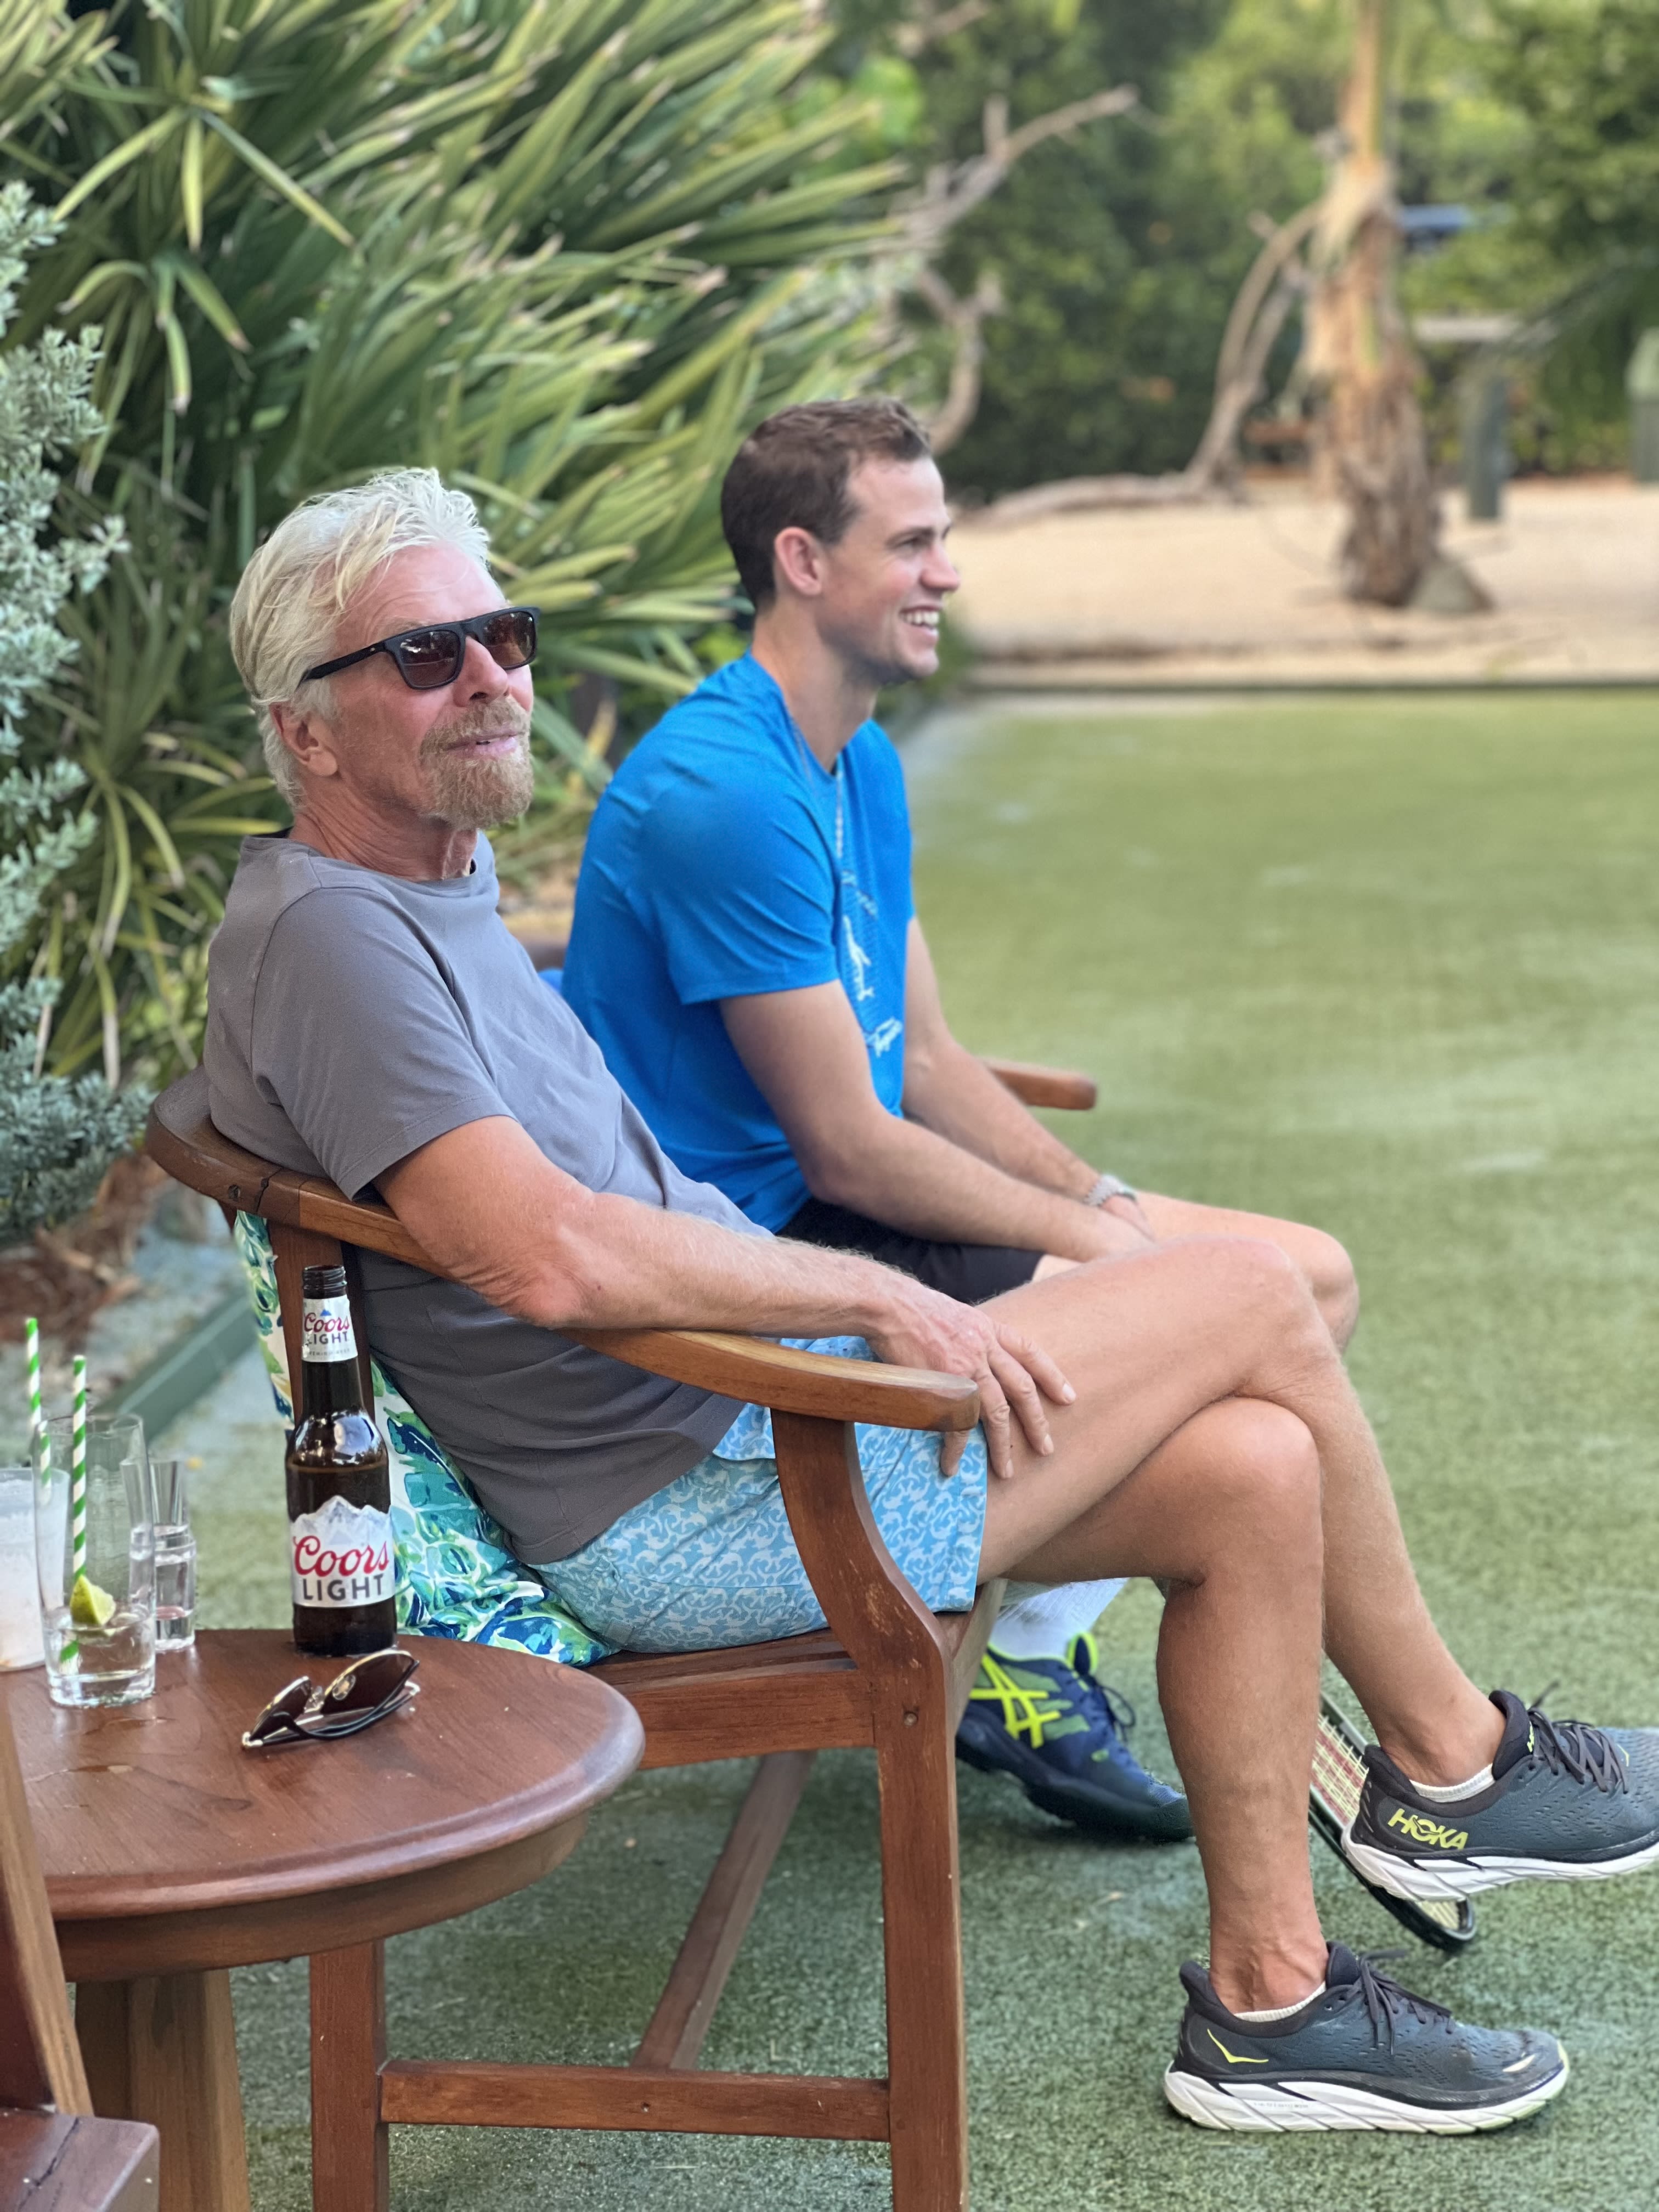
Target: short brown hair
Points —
{"points": [[792, 472]]}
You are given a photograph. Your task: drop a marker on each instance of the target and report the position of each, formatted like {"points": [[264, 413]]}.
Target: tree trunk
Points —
{"points": [[1359, 355]]}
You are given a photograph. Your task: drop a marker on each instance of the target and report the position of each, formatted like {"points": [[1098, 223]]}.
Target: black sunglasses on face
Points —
{"points": [[363, 1693], [430, 658]]}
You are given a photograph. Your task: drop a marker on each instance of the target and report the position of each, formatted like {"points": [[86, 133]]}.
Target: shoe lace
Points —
{"points": [[1083, 1658], [1386, 2002], [1584, 1752]]}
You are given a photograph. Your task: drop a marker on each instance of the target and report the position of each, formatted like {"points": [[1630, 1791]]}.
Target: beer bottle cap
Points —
{"points": [[323, 1283]]}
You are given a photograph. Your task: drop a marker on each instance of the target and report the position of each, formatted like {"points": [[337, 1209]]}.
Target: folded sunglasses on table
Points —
{"points": [[365, 1692]]}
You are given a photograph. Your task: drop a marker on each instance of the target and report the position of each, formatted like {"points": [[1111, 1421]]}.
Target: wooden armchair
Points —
{"points": [[887, 1672], [54, 2156]]}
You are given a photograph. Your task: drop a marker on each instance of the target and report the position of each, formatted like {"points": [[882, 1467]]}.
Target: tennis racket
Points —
{"points": [[1338, 1775]]}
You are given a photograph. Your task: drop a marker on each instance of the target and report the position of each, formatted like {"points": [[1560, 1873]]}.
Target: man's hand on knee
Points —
{"points": [[1014, 1375]]}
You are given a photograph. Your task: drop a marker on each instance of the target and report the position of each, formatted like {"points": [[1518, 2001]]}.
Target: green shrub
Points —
{"points": [[56, 1138]]}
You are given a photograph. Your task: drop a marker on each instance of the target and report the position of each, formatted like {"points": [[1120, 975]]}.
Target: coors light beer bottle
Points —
{"points": [[339, 1498]]}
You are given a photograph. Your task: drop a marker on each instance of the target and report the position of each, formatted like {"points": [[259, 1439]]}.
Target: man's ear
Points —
{"points": [[309, 739], [798, 562]]}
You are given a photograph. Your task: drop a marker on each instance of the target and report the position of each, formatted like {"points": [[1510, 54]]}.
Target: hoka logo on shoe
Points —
{"points": [[1422, 1830]]}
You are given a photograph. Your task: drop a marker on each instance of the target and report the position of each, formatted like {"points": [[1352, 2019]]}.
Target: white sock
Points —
{"points": [[1042, 1625], [1447, 1793], [1283, 2012]]}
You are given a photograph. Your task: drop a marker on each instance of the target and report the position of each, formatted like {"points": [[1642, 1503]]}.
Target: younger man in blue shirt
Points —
{"points": [[746, 955]]}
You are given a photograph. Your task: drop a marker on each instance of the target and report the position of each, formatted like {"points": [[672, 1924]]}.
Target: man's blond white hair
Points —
{"points": [[293, 591]]}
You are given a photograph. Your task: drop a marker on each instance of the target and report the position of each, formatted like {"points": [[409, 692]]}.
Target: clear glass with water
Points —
{"points": [[98, 1606], [19, 1603], [175, 1558]]}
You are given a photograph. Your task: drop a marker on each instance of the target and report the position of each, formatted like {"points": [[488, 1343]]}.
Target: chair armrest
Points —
{"points": [[757, 1371], [1045, 1086]]}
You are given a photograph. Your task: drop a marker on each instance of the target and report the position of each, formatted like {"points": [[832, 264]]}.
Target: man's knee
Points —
{"points": [[1335, 1286], [1251, 1499], [1266, 1473], [1262, 1289]]}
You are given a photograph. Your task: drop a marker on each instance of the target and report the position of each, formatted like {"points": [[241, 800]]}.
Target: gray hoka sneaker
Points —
{"points": [[1364, 2053], [1567, 1802]]}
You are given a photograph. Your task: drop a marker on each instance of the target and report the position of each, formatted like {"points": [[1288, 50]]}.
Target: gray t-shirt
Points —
{"points": [[354, 1017]]}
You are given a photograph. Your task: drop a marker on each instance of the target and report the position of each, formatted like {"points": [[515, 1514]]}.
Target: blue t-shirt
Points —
{"points": [[723, 861]]}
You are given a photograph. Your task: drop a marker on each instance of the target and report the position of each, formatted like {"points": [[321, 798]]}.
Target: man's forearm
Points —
{"points": [[913, 1179], [954, 1093], [616, 1263]]}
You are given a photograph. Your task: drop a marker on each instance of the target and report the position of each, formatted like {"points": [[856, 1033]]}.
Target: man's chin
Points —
{"points": [[482, 794]]}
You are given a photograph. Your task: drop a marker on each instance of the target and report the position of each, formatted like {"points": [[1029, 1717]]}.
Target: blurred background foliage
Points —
{"points": [[1119, 249], [568, 251]]}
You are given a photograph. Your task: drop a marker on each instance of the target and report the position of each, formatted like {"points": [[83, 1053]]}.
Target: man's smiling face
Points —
{"points": [[886, 579], [457, 756]]}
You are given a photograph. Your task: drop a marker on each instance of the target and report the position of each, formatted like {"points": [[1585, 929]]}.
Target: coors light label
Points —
{"points": [[343, 1556], [326, 1332]]}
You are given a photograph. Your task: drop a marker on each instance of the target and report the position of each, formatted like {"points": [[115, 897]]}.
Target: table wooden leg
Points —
{"points": [[348, 2049], [163, 2049]]}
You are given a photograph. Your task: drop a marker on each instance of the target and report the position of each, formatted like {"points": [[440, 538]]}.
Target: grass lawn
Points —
{"points": [[1391, 966]]}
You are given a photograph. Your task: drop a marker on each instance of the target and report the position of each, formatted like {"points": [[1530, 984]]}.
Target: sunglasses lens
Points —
{"points": [[281, 1715], [510, 637], [368, 1683], [325, 1726], [429, 658]]}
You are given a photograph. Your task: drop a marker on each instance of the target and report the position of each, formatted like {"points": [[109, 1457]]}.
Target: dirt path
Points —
{"points": [[1167, 596]]}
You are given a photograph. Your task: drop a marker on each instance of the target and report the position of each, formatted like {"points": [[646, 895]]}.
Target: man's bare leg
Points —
{"points": [[1322, 1263], [1152, 1340], [1226, 1513]]}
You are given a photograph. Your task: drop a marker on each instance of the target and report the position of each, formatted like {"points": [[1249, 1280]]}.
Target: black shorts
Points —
{"points": [[969, 1273]]}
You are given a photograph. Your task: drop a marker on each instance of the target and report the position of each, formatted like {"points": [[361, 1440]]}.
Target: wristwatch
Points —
{"points": [[1105, 1187]]}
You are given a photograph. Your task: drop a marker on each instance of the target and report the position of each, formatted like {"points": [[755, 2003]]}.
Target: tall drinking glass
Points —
{"points": [[20, 1606], [175, 1557], [98, 1597]]}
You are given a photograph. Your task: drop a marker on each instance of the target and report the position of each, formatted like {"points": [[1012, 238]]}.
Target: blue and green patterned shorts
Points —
{"points": [[710, 1560]]}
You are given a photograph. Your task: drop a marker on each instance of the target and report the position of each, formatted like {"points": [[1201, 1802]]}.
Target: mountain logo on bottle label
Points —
{"points": [[343, 1555], [325, 1331]]}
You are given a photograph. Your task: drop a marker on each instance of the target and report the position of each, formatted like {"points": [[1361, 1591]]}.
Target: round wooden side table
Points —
{"points": [[172, 1855]]}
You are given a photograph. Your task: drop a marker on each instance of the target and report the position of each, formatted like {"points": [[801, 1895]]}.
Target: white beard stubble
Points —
{"points": [[479, 794]]}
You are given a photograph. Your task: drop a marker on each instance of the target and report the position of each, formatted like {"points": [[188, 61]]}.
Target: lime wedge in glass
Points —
{"points": [[90, 1606]]}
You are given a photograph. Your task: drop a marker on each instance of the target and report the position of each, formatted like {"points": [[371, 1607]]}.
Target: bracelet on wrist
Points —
{"points": [[1105, 1187]]}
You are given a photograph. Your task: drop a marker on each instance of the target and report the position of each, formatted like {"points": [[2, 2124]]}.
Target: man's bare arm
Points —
{"points": [[497, 1215], [807, 1055]]}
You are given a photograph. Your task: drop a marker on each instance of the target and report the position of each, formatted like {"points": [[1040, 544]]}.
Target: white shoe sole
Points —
{"points": [[1425, 1881], [1322, 2107]]}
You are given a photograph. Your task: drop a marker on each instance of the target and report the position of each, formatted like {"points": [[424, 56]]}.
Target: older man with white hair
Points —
{"points": [[1181, 1414]]}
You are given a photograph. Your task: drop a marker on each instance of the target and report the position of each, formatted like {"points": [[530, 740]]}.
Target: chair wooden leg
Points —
{"points": [[685, 2010], [349, 2170], [927, 2027], [164, 2050]]}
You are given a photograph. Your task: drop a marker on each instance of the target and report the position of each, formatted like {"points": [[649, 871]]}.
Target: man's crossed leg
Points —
{"points": [[1215, 1444]]}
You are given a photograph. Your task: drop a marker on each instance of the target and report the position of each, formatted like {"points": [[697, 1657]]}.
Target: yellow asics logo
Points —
{"points": [[1422, 1830], [1232, 2057]]}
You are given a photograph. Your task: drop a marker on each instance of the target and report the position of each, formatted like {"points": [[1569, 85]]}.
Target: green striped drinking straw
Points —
{"points": [[77, 1490], [37, 1436]]}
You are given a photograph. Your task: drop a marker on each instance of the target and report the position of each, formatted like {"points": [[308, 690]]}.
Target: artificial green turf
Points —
{"points": [[1390, 966]]}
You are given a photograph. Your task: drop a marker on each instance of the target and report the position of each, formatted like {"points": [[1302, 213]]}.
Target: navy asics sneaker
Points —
{"points": [[1364, 2053], [1567, 1802], [1062, 1735]]}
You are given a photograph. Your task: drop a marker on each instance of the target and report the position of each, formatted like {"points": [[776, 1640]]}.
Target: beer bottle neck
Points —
{"points": [[332, 1386], [331, 1381]]}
